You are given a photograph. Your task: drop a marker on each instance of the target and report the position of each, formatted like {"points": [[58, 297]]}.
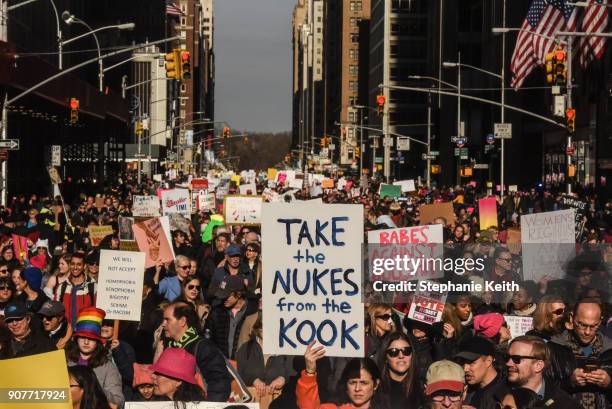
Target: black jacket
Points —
{"points": [[218, 326], [61, 333], [250, 361], [34, 343], [213, 369], [560, 398], [487, 397]]}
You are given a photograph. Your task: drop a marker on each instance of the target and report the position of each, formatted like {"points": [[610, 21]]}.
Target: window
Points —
{"points": [[355, 5], [183, 113], [319, 30], [354, 38], [351, 133], [183, 21], [184, 8], [351, 116], [183, 87], [183, 102], [352, 100], [319, 19], [353, 54], [353, 69], [354, 22], [353, 85]]}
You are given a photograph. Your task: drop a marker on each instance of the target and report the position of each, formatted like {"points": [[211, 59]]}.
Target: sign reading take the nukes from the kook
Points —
{"points": [[312, 288]]}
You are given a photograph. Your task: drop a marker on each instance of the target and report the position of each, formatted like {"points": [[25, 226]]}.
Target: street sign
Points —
{"points": [[378, 160], [490, 139], [387, 141], [426, 156], [559, 106], [570, 150], [460, 142], [324, 152], [502, 131], [403, 144], [434, 153], [481, 166], [10, 144], [461, 152], [56, 155], [139, 155]]}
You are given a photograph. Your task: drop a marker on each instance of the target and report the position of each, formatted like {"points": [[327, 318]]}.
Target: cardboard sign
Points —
{"points": [[390, 191], [128, 245], [427, 306], [236, 179], [513, 241], [518, 325], [271, 174], [188, 405], [199, 184], [152, 240], [205, 201], [428, 213], [98, 233], [125, 228], [248, 189], [407, 185], [44, 372], [145, 206], [179, 222], [487, 212], [581, 209], [327, 184], [120, 284], [176, 201], [242, 209], [548, 243], [312, 253], [296, 183]]}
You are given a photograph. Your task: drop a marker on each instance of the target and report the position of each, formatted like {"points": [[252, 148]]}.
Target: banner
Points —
{"points": [[153, 242], [199, 184], [248, 189], [120, 284], [242, 209], [518, 325], [407, 185], [429, 212], [98, 233], [46, 373], [205, 201], [145, 206], [125, 228], [176, 201], [548, 243], [427, 306], [390, 191], [312, 253], [487, 212]]}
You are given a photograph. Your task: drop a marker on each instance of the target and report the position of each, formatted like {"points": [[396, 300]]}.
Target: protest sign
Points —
{"points": [[487, 211], [120, 284], [176, 201], [548, 243], [313, 290], [296, 183], [581, 208], [242, 209], [235, 179], [518, 325], [407, 185], [271, 174], [188, 405], [327, 184], [428, 213], [248, 189], [46, 373], [427, 306], [222, 188], [165, 222], [99, 203], [98, 233], [512, 188], [125, 228], [179, 222], [199, 184], [419, 243], [145, 206], [205, 201], [513, 240], [281, 177], [128, 245], [390, 191], [152, 240]]}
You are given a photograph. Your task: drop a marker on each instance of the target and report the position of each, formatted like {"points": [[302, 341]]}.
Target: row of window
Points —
{"points": [[355, 5]]}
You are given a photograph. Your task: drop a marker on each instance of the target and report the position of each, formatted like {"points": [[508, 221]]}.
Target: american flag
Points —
{"points": [[544, 19], [595, 20], [172, 9]]}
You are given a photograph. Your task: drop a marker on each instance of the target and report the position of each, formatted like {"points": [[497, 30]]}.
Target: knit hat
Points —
{"points": [[142, 375], [444, 375], [33, 276], [89, 323], [488, 325], [176, 363]]}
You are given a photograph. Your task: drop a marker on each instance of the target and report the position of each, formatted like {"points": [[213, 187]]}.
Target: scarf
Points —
{"points": [[588, 400], [188, 337]]}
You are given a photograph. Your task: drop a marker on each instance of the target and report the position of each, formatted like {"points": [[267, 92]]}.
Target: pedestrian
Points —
{"points": [[174, 377], [26, 339], [60, 274], [143, 387], [85, 390], [548, 317], [170, 287], [78, 291], [54, 323], [191, 293], [445, 386]]}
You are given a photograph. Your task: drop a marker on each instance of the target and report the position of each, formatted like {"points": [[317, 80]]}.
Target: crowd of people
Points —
{"points": [[200, 336]]}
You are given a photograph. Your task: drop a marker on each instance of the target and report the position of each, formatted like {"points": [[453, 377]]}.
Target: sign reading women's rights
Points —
{"points": [[312, 288], [120, 284], [176, 201]]}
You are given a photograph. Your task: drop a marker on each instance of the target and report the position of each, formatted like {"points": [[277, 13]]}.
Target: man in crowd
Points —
{"points": [[445, 385], [232, 267], [78, 291], [181, 326], [528, 357], [25, 340], [54, 323], [212, 256], [486, 386], [170, 287]]}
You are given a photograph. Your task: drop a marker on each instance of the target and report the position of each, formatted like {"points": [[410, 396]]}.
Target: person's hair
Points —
{"points": [[526, 398], [588, 300], [371, 313], [180, 258], [78, 255], [410, 382], [6, 281], [498, 251], [93, 394], [542, 316], [225, 235], [183, 297], [187, 392], [352, 370], [449, 316], [98, 358], [182, 309], [538, 347]]}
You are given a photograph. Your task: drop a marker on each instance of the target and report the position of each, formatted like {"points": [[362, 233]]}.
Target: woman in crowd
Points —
{"points": [[86, 349], [523, 300], [7, 289], [548, 317], [174, 377], [191, 293], [521, 398], [253, 264], [358, 386], [399, 367], [379, 322], [60, 274], [142, 387], [85, 390], [493, 327]]}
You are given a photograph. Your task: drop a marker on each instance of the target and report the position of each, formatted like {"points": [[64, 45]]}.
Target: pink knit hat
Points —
{"points": [[142, 375], [488, 325], [176, 363]]}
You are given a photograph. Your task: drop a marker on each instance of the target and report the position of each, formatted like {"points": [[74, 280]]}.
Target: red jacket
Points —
{"points": [[307, 392], [85, 297]]}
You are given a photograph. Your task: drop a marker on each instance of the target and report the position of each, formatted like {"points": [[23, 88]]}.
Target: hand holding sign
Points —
{"points": [[312, 355]]}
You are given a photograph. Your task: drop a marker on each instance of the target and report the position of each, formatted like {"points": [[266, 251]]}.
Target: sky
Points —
{"points": [[253, 64]]}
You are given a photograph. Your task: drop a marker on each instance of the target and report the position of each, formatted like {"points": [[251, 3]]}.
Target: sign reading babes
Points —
{"points": [[176, 201], [120, 284], [312, 289]]}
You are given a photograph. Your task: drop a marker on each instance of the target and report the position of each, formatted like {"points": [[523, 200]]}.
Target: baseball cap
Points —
{"points": [[233, 250], [15, 311], [444, 376], [474, 347], [52, 309], [229, 285]]}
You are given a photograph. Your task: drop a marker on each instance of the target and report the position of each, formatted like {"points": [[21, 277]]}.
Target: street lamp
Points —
{"points": [[71, 18], [458, 66]]}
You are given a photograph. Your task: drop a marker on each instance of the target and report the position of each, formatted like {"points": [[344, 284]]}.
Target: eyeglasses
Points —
{"points": [[252, 250], [499, 405], [394, 352], [12, 320], [4, 288], [191, 287], [505, 259], [187, 267], [455, 397], [558, 311], [47, 318], [518, 358], [384, 317], [582, 326]]}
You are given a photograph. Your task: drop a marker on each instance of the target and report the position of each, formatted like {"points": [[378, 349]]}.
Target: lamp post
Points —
{"points": [[70, 18]]}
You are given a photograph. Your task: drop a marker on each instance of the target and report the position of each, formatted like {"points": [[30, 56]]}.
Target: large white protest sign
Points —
{"points": [[188, 405], [427, 306], [248, 189], [518, 325], [176, 201], [205, 201], [312, 289], [145, 206], [548, 243], [120, 284], [407, 185], [242, 209]]}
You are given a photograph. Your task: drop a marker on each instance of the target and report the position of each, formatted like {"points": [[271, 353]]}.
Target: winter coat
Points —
{"points": [[213, 368], [250, 362], [35, 343], [218, 325], [110, 381]]}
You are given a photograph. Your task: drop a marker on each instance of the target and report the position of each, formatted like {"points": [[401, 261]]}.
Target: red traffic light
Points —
{"points": [[185, 55], [380, 100], [74, 103], [570, 113], [560, 55]]}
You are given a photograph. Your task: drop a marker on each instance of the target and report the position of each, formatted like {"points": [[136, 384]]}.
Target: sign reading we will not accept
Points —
{"points": [[313, 289]]}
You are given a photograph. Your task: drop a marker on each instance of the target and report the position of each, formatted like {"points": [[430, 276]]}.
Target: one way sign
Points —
{"points": [[10, 144]]}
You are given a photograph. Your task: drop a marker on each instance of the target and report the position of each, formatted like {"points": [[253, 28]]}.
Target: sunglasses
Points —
{"points": [[4, 288], [10, 321], [394, 352], [46, 318], [559, 311], [518, 358], [498, 405], [455, 397], [191, 287], [184, 267], [505, 259], [252, 250], [384, 317]]}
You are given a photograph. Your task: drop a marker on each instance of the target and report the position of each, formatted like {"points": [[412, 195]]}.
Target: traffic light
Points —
{"points": [[139, 128], [436, 169], [185, 65], [560, 70], [550, 67], [74, 110], [570, 120], [380, 101], [172, 67], [226, 132], [357, 152]]}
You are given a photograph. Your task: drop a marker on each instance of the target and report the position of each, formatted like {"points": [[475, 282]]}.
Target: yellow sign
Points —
{"points": [[236, 178], [272, 173], [36, 381]]}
